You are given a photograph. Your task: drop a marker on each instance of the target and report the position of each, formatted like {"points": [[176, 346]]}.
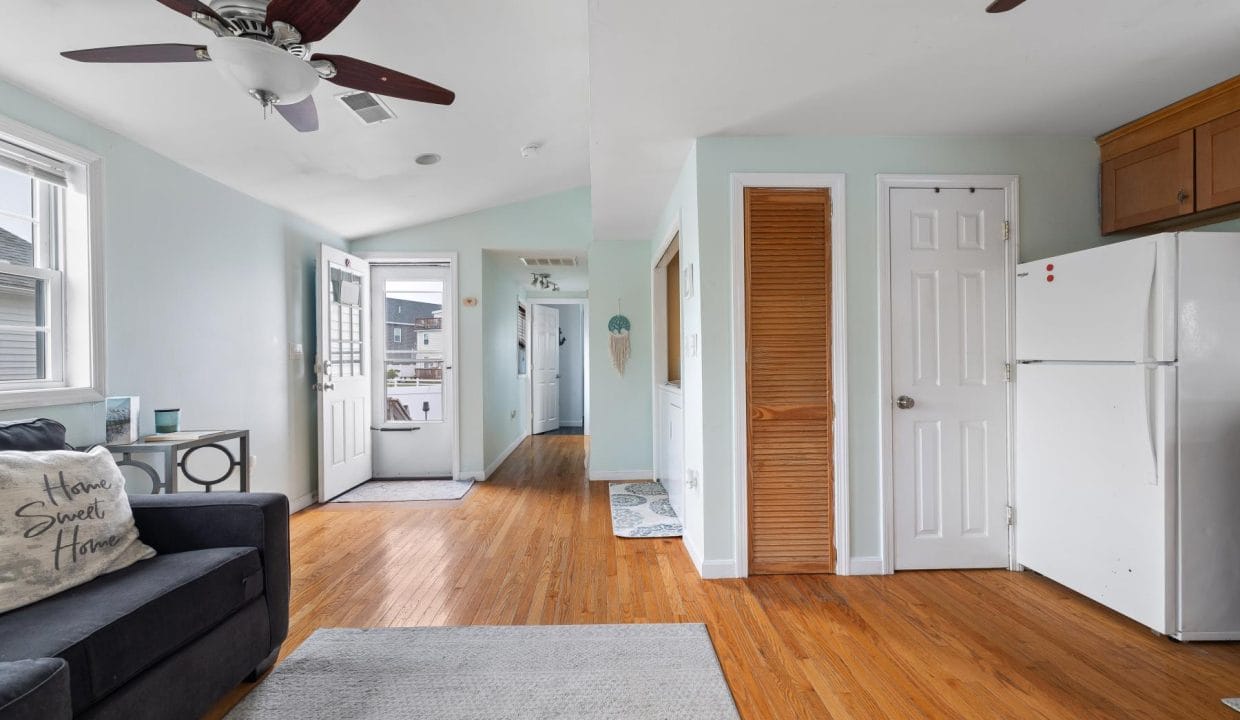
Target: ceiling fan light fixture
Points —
{"points": [[263, 70]]}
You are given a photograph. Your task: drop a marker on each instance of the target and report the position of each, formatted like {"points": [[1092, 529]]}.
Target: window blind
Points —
{"points": [[36, 165]]}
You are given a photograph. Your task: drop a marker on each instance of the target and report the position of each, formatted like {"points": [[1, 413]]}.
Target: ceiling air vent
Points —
{"points": [[368, 108], [542, 262]]}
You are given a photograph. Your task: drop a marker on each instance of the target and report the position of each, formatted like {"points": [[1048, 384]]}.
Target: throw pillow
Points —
{"points": [[64, 520]]}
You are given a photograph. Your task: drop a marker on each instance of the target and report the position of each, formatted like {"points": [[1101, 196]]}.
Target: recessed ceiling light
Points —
{"points": [[427, 159]]}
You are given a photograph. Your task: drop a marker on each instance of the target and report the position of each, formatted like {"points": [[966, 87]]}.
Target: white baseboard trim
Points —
{"points": [[718, 569], [613, 475], [475, 475], [303, 502], [872, 565], [694, 554], [490, 469], [572, 423]]}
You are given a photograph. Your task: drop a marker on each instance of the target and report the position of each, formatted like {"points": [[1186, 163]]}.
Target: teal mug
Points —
{"points": [[168, 421]]}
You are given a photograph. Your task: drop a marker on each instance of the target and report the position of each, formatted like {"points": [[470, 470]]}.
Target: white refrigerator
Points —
{"points": [[1128, 428]]}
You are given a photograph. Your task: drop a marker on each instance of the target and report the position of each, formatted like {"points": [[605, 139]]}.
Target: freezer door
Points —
{"points": [[1095, 477], [1111, 303]]}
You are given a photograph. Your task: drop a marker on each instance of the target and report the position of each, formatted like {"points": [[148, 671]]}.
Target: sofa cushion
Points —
{"points": [[32, 435], [35, 690], [64, 520], [118, 625]]}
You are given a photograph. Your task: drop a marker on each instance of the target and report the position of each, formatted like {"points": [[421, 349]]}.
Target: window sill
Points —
{"points": [[45, 397]]}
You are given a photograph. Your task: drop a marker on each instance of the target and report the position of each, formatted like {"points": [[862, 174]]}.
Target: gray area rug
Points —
{"points": [[404, 490], [584, 672], [642, 510]]}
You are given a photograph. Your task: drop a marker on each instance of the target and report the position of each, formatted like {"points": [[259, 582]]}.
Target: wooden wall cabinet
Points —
{"points": [[1218, 162], [1148, 185], [1176, 168]]}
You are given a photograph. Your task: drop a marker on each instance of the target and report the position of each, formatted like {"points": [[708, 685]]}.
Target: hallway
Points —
{"points": [[533, 545]]}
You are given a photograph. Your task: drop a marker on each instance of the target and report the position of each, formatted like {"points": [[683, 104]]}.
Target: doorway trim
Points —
{"points": [[389, 257], [530, 302], [835, 184], [887, 182]]}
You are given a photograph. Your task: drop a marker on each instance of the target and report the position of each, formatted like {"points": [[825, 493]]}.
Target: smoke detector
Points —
{"points": [[530, 151]]}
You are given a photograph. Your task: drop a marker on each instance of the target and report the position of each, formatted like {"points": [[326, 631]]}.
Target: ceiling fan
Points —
{"points": [[265, 47], [1002, 6]]}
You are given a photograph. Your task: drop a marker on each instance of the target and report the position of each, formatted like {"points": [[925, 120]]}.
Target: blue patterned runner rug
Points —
{"points": [[642, 510]]}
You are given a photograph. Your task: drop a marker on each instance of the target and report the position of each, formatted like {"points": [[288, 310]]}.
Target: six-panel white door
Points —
{"points": [[545, 368], [949, 348], [342, 367]]}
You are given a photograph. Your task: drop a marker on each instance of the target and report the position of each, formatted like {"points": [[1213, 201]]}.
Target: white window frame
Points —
{"points": [[397, 335], [76, 365]]}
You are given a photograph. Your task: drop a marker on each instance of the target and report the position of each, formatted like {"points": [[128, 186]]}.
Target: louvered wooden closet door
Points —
{"points": [[788, 346]]}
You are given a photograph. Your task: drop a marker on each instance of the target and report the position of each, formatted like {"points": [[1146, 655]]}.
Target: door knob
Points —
{"points": [[904, 402], [1181, 196]]}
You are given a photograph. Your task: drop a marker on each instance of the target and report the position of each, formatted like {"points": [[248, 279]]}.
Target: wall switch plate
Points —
{"points": [[692, 480], [691, 345], [297, 351]]}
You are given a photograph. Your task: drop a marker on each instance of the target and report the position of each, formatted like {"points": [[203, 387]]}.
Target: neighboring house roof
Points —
{"points": [[16, 250], [406, 311]]}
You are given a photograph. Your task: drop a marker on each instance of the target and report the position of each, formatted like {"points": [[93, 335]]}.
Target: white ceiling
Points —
{"points": [[575, 279], [662, 73], [617, 97], [519, 70]]}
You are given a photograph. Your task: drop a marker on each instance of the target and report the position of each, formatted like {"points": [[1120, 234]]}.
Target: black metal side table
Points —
{"points": [[176, 454]]}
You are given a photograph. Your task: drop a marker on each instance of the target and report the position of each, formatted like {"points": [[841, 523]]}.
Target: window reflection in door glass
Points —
{"points": [[414, 350]]}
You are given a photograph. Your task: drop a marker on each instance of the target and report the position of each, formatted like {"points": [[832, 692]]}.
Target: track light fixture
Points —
{"points": [[542, 281]]}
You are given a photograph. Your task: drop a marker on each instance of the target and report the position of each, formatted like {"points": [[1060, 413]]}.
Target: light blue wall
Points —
{"points": [[206, 288], [560, 221], [681, 215], [572, 371], [620, 405], [502, 388], [1059, 213]]}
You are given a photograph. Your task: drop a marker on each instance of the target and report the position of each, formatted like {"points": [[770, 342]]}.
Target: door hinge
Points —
{"points": [[1007, 230], [1010, 512], [1007, 372]]}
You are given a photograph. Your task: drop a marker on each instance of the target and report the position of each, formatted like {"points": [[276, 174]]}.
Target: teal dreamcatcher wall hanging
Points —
{"points": [[618, 327]]}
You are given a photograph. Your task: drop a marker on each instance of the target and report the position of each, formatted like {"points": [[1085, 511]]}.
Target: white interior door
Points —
{"points": [[342, 363], [545, 368], [949, 348], [414, 420]]}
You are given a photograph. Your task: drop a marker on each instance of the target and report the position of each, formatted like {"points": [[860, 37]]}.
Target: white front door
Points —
{"points": [[545, 368], [949, 348], [414, 418], [342, 367]]}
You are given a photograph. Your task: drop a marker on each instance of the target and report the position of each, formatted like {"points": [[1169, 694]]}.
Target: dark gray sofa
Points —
{"points": [[165, 637]]}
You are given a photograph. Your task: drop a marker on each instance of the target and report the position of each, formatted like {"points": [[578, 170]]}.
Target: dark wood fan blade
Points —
{"points": [[164, 53], [314, 19], [189, 7], [1000, 6], [361, 75], [303, 115]]}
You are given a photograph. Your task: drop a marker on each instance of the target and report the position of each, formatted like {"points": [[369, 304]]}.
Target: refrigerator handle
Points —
{"points": [[1151, 418], [1147, 333]]}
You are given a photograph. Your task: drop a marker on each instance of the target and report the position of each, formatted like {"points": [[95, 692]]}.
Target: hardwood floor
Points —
{"points": [[534, 546]]}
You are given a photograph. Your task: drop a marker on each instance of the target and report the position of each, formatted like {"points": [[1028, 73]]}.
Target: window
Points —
{"points": [[426, 338], [396, 335], [670, 265], [50, 324]]}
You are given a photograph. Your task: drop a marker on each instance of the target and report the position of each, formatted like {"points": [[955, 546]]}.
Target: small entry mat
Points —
{"points": [[642, 510], [407, 490]]}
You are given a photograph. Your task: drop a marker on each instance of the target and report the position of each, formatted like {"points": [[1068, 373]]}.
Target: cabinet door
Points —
{"points": [[1148, 185], [1218, 162]]}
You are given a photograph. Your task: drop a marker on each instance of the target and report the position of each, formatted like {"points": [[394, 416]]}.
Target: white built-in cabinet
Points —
{"points": [[671, 450]]}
